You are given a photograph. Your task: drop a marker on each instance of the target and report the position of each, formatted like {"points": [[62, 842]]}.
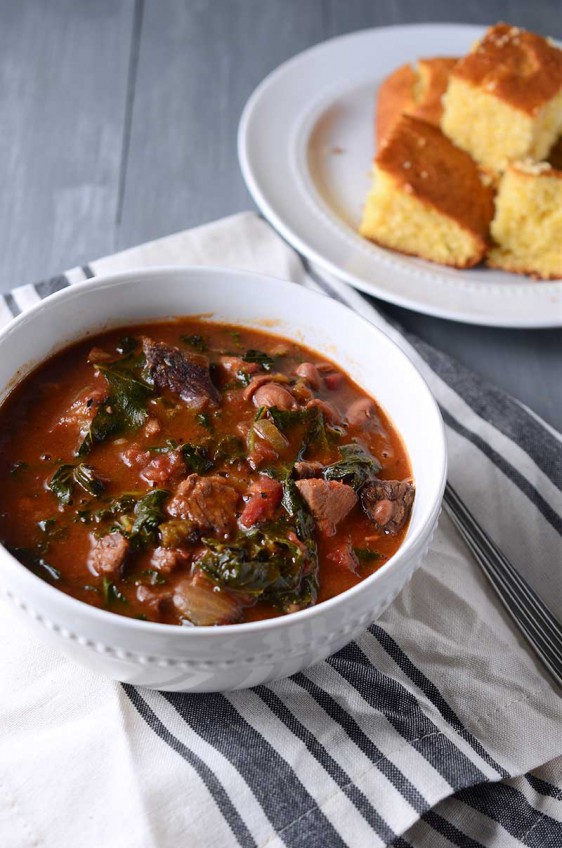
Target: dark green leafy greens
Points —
{"points": [[365, 556], [203, 419], [196, 342], [295, 506], [196, 457], [314, 435], [36, 563], [264, 564], [260, 357], [111, 593], [125, 407], [149, 513], [68, 476], [229, 449], [355, 467], [127, 344]]}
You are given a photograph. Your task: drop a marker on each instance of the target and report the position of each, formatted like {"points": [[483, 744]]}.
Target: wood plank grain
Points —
{"points": [[63, 81], [198, 63], [542, 17]]}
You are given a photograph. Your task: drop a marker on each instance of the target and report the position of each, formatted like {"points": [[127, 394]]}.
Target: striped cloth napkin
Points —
{"points": [[436, 728]]}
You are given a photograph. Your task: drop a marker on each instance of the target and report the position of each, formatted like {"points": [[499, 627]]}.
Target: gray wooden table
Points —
{"points": [[119, 125]]}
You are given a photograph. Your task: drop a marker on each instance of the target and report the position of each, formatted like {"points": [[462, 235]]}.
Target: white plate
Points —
{"points": [[305, 145]]}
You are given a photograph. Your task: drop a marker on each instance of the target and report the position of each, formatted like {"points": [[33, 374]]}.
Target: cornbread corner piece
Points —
{"points": [[428, 198], [527, 227], [504, 100], [415, 90]]}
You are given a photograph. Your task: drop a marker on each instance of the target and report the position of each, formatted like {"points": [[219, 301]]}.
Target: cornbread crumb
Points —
{"points": [[527, 227], [441, 211], [504, 99]]}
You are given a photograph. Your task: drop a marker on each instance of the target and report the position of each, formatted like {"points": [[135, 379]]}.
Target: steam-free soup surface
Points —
{"points": [[199, 474]]}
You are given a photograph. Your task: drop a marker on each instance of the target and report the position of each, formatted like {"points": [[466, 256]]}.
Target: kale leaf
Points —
{"points": [[196, 342], [126, 405], [295, 506], [355, 467], [364, 555], [36, 563], [263, 563], [315, 433], [111, 593], [67, 476], [195, 457], [149, 513], [260, 357]]}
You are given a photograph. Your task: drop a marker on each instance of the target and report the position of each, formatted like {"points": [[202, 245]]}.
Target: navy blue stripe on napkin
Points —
{"points": [[283, 800], [509, 808], [516, 477], [404, 712], [11, 304], [348, 724], [54, 284], [213, 784], [497, 408], [432, 693]]}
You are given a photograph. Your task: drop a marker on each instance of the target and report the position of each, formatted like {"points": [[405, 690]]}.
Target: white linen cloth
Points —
{"points": [[436, 728]]}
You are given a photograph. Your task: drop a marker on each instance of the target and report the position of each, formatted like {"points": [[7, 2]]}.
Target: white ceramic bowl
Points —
{"points": [[166, 657]]}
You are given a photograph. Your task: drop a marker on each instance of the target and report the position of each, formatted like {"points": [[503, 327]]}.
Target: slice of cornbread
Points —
{"points": [[428, 198], [412, 90], [504, 100], [527, 227]]}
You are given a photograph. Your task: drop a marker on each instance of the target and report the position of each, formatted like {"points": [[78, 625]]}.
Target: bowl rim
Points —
{"points": [[129, 278]]}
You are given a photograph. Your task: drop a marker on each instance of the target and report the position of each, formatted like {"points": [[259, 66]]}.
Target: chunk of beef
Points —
{"points": [[210, 502], [272, 394], [388, 503], [305, 469], [183, 373], [261, 380], [264, 497], [204, 604], [328, 500], [309, 373], [344, 556], [165, 560], [107, 554]]}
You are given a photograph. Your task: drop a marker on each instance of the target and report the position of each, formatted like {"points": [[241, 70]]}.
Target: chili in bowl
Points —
{"points": [[213, 479]]}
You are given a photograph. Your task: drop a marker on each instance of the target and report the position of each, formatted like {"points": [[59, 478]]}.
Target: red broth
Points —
{"points": [[197, 473]]}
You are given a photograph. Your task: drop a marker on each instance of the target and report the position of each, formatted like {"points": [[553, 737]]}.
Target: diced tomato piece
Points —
{"points": [[265, 496], [344, 556]]}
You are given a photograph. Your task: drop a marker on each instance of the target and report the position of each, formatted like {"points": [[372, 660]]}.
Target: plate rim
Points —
{"points": [[549, 320]]}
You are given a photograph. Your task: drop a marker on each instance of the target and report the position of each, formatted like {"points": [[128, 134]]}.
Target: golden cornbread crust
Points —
{"points": [[427, 164], [395, 96], [516, 66], [415, 91]]}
